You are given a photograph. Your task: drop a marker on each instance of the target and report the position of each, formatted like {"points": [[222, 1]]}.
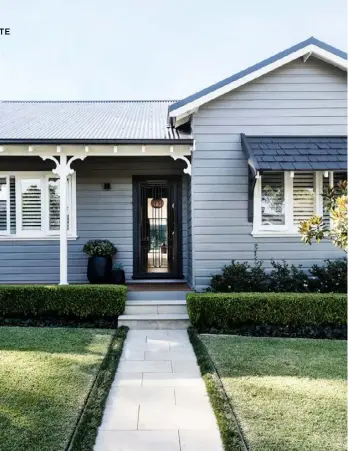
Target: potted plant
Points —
{"points": [[100, 254], [118, 276]]}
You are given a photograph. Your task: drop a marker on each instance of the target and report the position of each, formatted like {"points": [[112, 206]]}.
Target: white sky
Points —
{"points": [[149, 49]]}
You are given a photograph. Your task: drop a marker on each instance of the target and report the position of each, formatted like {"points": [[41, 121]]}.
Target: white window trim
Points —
{"points": [[288, 229], [45, 233]]}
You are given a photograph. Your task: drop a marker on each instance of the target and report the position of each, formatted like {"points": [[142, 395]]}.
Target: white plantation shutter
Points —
{"points": [[31, 199], [303, 196], [326, 215], [30, 205], [272, 203], [12, 205], [338, 177], [4, 204]]}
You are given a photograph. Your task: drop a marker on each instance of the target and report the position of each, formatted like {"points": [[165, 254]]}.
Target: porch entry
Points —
{"points": [[157, 228]]}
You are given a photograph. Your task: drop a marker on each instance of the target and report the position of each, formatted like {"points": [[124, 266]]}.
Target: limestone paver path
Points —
{"points": [[158, 400]]}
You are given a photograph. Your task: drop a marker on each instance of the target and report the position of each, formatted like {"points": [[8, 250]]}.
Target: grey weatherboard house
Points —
{"points": [[181, 188]]}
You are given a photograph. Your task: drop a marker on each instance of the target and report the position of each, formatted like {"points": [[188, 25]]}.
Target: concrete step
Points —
{"points": [[155, 321], [156, 295], [155, 307]]}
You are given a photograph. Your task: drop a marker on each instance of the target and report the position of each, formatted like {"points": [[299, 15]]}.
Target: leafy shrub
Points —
{"points": [[240, 277], [331, 277], [78, 301], [286, 278], [226, 312], [99, 248]]}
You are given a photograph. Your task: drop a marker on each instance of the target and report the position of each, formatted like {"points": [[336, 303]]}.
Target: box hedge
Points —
{"points": [[225, 312], [56, 301]]}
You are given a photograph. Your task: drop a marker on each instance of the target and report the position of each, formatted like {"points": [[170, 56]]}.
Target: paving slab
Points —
{"points": [[154, 416], [145, 366], [138, 440], [122, 415], [185, 379], [192, 440], [174, 354], [139, 395], [133, 354], [127, 379], [188, 366], [158, 400], [137, 346]]}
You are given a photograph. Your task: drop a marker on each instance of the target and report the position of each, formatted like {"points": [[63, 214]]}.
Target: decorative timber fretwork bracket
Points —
{"points": [[187, 170]]}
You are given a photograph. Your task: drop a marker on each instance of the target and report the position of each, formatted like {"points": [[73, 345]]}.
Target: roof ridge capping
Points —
{"points": [[88, 101], [320, 49]]}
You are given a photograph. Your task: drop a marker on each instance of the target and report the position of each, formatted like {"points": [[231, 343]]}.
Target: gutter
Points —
{"points": [[188, 141]]}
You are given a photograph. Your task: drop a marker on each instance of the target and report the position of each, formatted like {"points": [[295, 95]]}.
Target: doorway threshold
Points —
{"points": [[157, 281]]}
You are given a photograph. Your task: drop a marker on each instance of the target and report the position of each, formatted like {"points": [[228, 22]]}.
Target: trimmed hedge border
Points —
{"points": [[230, 431], [85, 433], [63, 302], [313, 315]]}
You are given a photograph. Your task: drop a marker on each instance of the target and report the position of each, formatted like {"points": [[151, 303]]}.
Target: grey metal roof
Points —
{"points": [[258, 66], [274, 153], [87, 121]]}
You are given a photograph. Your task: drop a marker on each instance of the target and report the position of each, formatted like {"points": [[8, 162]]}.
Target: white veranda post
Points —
{"points": [[63, 170]]}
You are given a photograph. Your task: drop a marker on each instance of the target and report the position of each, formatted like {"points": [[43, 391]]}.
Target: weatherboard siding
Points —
{"points": [[189, 233], [100, 215], [298, 99]]}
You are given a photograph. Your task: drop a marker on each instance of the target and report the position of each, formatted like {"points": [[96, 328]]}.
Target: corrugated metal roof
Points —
{"points": [[87, 120], [255, 67], [297, 153]]}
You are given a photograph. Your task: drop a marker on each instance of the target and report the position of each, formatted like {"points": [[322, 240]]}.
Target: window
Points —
{"points": [[283, 199], [30, 205], [303, 196], [4, 204], [272, 200]]}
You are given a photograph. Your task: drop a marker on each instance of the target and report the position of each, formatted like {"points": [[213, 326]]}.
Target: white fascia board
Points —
{"points": [[96, 150], [314, 50]]}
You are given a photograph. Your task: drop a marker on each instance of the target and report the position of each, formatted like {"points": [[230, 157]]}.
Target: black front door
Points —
{"points": [[157, 227]]}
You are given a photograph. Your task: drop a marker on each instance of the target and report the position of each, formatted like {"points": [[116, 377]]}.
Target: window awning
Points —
{"points": [[274, 153]]}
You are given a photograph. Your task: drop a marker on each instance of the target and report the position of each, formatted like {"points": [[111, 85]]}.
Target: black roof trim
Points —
{"points": [[248, 152]]}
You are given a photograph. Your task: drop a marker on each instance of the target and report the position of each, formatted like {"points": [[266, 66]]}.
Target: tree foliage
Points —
{"points": [[336, 205]]}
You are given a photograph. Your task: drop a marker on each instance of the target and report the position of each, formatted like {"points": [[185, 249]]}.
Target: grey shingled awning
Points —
{"points": [[274, 153]]}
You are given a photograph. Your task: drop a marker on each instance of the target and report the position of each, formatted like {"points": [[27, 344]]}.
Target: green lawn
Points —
{"points": [[288, 394], [45, 376]]}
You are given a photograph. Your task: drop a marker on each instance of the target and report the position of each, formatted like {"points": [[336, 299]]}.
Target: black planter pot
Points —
{"points": [[99, 269], [118, 277]]}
